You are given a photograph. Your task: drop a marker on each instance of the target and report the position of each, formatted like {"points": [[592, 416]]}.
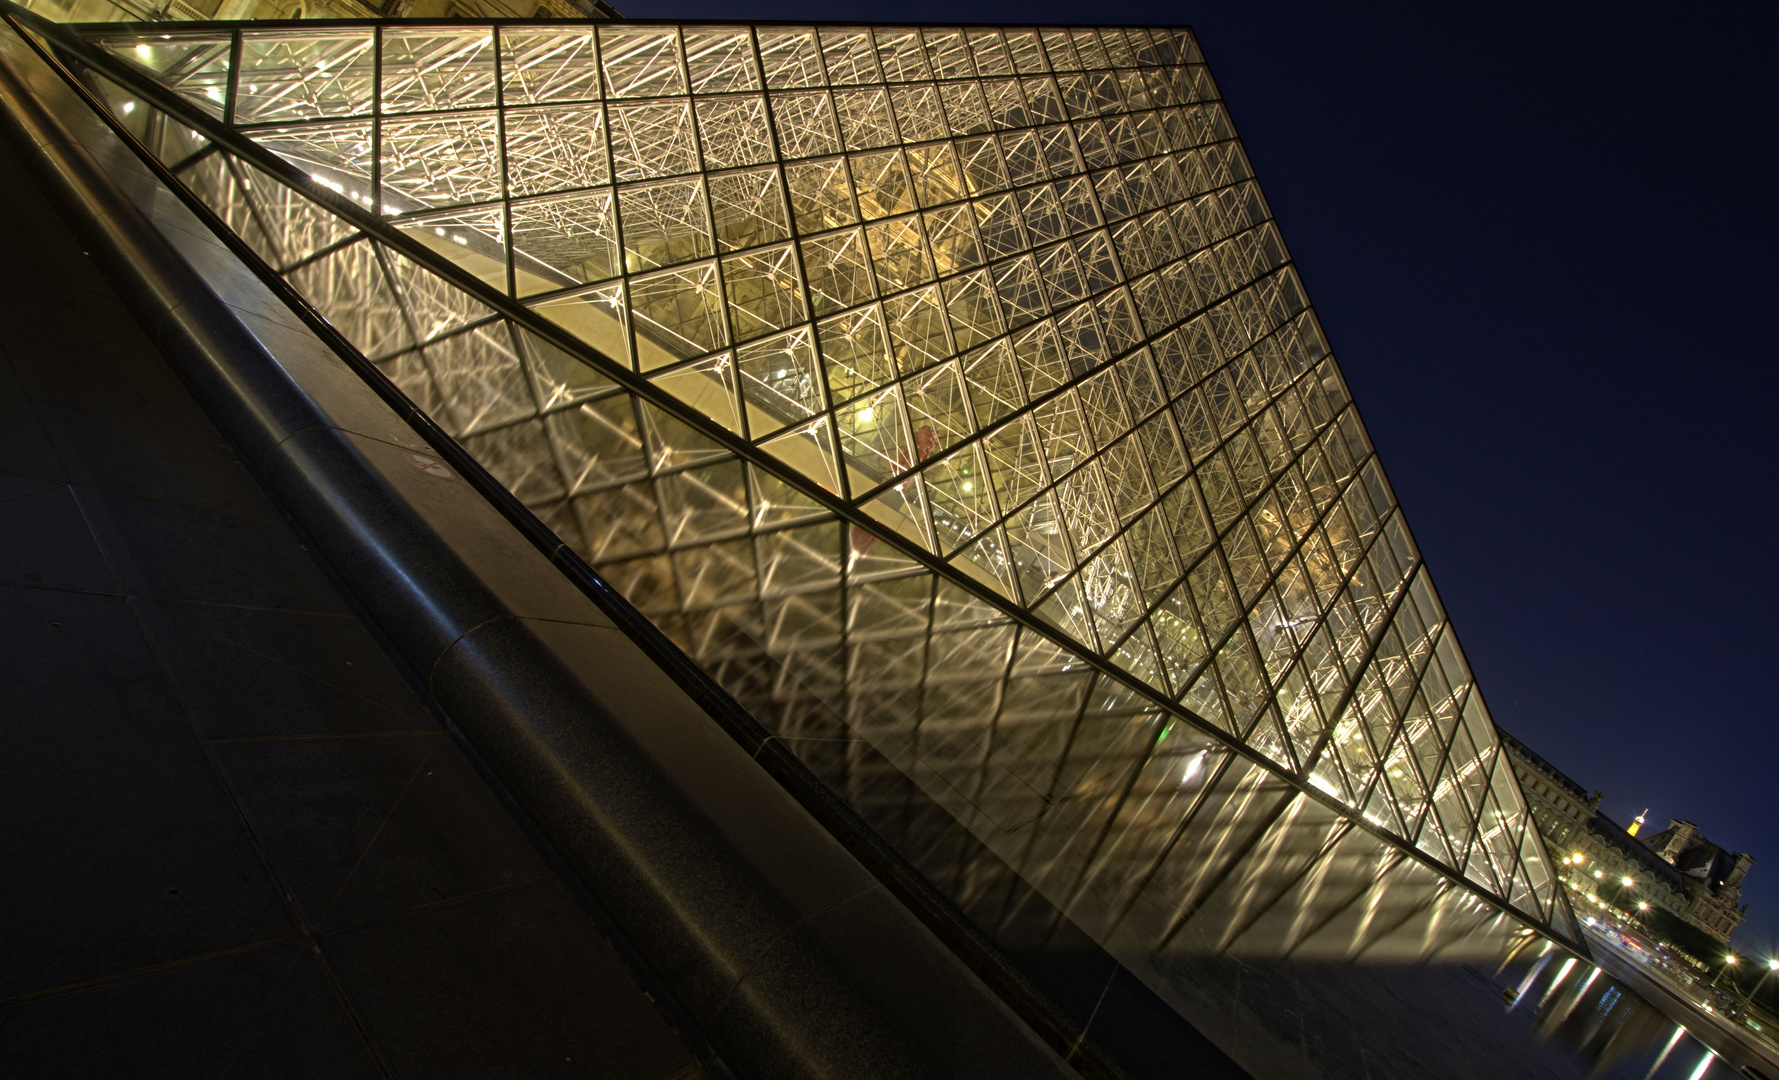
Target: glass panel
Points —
{"points": [[554, 148], [641, 61], [288, 76], [438, 69], [997, 245], [440, 160], [540, 64]]}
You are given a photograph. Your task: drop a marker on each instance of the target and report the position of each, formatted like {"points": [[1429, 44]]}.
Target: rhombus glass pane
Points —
{"points": [[946, 393]]}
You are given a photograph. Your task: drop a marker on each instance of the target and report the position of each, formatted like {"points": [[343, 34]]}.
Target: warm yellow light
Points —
{"points": [[1642, 907], [1627, 881], [867, 414]]}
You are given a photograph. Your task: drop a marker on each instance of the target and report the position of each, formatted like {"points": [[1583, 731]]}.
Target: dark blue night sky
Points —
{"points": [[1541, 239]]}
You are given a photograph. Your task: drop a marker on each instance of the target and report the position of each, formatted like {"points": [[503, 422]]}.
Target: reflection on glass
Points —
{"points": [[1106, 566]]}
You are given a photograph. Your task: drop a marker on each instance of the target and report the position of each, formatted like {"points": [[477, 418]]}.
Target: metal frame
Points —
{"points": [[227, 138]]}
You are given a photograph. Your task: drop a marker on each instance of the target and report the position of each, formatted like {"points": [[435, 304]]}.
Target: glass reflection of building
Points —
{"points": [[950, 396]]}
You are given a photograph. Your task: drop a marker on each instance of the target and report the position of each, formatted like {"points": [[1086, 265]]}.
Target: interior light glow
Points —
{"points": [[1193, 767]]}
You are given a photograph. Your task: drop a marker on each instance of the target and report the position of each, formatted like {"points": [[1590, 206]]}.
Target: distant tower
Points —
{"points": [[1638, 824]]}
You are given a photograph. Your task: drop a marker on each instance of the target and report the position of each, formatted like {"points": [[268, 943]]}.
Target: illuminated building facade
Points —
{"points": [[949, 395], [1674, 869]]}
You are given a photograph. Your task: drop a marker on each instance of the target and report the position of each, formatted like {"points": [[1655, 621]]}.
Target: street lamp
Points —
{"points": [[1728, 962], [1772, 966]]}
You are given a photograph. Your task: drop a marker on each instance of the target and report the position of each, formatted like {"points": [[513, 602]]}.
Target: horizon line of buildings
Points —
{"points": [[1676, 869]]}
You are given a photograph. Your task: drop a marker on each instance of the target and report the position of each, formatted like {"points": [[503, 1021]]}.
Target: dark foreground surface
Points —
{"points": [[237, 841]]}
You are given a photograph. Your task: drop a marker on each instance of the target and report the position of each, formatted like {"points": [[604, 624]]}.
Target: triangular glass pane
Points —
{"points": [[1137, 655], [874, 439], [434, 306], [986, 561], [564, 240], [809, 449], [596, 317], [472, 238], [780, 382], [903, 510], [672, 443], [480, 379], [961, 498], [707, 386], [194, 66], [778, 503], [1065, 610], [350, 290], [335, 155], [1040, 550], [558, 378]]}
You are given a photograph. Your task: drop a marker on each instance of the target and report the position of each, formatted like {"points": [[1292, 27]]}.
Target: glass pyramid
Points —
{"points": [[948, 393]]}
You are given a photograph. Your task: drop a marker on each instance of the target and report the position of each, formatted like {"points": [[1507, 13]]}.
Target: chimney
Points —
{"points": [[1740, 871], [1680, 833]]}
